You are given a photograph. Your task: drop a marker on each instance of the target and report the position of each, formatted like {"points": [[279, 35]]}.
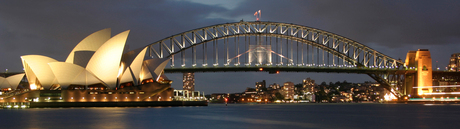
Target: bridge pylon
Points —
{"points": [[420, 62]]}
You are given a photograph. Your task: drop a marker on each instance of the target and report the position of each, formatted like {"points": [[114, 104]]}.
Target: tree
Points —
{"points": [[320, 95], [299, 88], [279, 96], [323, 84]]}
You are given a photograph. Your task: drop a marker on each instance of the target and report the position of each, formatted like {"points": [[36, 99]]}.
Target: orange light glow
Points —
{"points": [[261, 69], [33, 86]]}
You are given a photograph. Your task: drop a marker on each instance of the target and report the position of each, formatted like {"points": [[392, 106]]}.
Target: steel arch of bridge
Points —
{"points": [[352, 54], [356, 52]]}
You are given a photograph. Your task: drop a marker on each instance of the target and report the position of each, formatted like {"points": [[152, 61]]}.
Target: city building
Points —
{"points": [[288, 90], [274, 86], [218, 97], [260, 86], [189, 81], [454, 62], [308, 85]]}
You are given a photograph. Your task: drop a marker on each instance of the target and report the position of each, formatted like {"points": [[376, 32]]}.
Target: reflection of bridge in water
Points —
{"points": [[282, 47]]}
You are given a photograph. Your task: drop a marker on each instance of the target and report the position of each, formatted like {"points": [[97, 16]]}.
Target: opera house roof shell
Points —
{"points": [[11, 81], [97, 59]]}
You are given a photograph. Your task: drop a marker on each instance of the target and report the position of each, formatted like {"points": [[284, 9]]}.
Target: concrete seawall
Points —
{"points": [[117, 104]]}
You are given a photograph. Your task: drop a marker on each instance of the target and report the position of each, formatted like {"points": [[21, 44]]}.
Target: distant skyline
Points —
{"points": [[53, 28]]}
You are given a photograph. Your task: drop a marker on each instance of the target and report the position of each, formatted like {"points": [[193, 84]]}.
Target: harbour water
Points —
{"points": [[250, 116]]}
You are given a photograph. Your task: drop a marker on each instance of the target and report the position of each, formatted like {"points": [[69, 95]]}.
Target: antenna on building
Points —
{"points": [[258, 15]]}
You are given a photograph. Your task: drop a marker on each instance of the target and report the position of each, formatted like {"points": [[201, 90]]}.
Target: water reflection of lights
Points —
{"points": [[255, 121], [434, 104]]}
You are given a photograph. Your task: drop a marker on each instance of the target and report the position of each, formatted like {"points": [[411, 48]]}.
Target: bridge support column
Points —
{"points": [[424, 71], [410, 77], [409, 83], [420, 61]]}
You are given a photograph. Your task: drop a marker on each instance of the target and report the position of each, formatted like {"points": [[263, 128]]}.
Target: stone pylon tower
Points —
{"points": [[424, 71], [423, 78], [410, 78]]}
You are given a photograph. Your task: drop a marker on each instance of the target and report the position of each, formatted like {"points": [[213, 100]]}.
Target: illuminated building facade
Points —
{"points": [[410, 78], [288, 90], [10, 81], [308, 85], [260, 86], [189, 81], [424, 71], [98, 69], [421, 61], [454, 62], [274, 86]]}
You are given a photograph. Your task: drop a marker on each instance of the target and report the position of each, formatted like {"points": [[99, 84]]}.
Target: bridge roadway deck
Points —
{"points": [[286, 69]]}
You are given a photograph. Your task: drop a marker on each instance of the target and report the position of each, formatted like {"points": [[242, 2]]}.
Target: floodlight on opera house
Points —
{"points": [[97, 60]]}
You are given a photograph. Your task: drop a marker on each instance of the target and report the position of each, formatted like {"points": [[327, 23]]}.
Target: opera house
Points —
{"points": [[98, 69]]}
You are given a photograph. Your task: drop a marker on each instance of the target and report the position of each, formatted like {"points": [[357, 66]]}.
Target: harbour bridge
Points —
{"points": [[277, 47]]}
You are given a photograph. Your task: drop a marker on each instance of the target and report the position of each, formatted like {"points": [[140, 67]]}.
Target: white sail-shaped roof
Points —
{"points": [[15, 80], [105, 63], [127, 76], [82, 57], [156, 66], [90, 43], [37, 68], [31, 78], [129, 57], [4, 83], [86, 78], [67, 73], [145, 73], [134, 60]]}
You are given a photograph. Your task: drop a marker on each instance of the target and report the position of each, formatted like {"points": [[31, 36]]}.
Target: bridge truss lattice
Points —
{"points": [[283, 46]]}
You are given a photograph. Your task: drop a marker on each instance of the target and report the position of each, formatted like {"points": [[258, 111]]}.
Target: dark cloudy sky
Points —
{"points": [[393, 27]]}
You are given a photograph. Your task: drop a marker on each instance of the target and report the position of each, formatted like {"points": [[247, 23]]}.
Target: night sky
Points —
{"points": [[53, 28]]}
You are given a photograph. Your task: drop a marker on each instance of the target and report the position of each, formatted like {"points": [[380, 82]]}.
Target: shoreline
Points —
{"points": [[104, 104]]}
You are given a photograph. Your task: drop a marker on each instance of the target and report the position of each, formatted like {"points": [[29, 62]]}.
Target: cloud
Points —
{"points": [[53, 28], [388, 23]]}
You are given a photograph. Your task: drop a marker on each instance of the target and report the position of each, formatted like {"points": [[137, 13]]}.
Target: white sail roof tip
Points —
{"points": [[135, 65], [156, 66], [39, 68], [90, 43], [67, 73], [15, 80], [3, 82], [105, 62]]}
